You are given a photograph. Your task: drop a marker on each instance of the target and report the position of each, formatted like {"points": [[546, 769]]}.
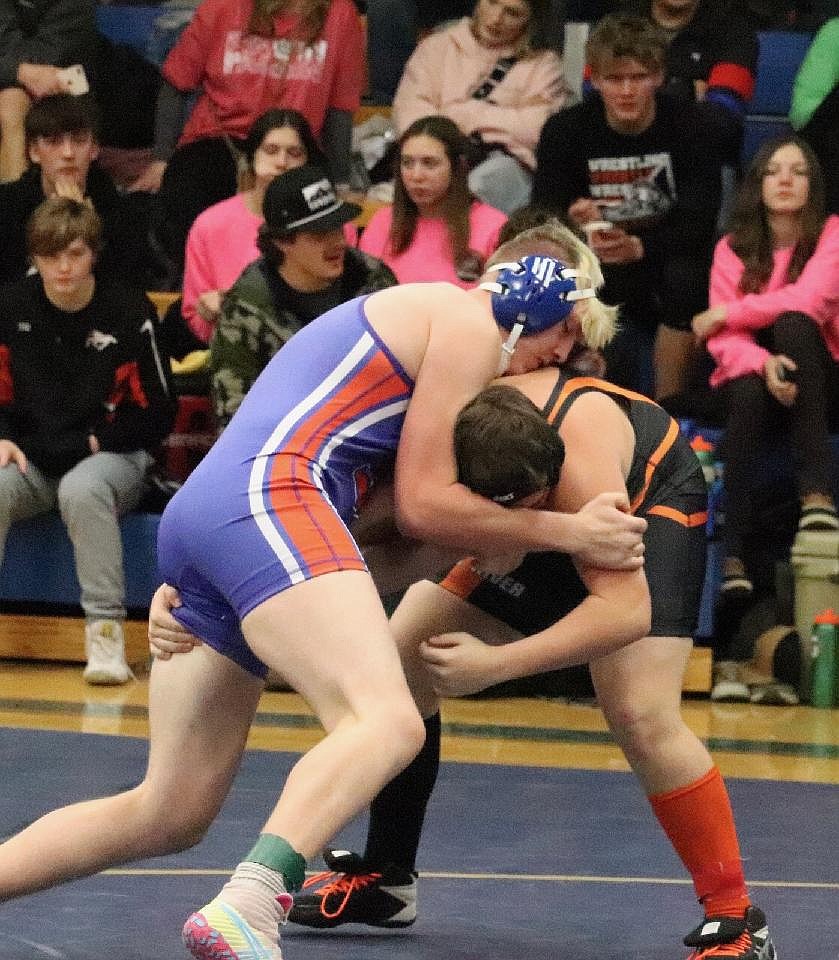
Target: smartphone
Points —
{"points": [[74, 80]]}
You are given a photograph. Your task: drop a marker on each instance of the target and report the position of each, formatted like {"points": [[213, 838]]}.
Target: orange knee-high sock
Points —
{"points": [[698, 820]]}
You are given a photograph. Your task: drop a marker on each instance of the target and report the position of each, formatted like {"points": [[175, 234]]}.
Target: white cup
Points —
{"points": [[596, 226]]}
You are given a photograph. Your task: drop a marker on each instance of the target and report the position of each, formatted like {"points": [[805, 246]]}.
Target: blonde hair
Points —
{"points": [[552, 238], [59, 221]]}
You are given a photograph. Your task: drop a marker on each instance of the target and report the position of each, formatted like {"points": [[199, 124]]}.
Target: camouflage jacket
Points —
{"points": [[253, 326]]}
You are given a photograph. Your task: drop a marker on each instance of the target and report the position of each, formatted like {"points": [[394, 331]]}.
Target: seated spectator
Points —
{"points": [[711, 58], [222, 241], [63, 143], [244, 57], [643, 172], [814, 112], [435, 229], [305, 269], [85, 404], [773, 330], [496, 77], [37, 40]]}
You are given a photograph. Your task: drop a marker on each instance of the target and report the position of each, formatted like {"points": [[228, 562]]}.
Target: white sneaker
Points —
{"points": [[105, 651], [728, 683]]}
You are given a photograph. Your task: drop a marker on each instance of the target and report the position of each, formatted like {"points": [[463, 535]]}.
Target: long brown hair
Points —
{"points": [[750, 234], [456, 203], [312, 18]]}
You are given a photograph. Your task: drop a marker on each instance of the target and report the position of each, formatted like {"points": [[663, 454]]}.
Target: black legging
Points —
{"points": [[197, 176], [753, 412], [820, 133]]}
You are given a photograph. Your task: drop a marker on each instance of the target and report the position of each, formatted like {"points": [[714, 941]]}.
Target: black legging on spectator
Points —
{"points": [[752, 413]]}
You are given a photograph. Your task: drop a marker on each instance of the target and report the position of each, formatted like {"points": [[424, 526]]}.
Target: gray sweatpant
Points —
{"points": [[90, 497]]}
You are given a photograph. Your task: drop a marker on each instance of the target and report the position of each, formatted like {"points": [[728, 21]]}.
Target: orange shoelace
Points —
{"points": [[735, 948], [343, 885]]}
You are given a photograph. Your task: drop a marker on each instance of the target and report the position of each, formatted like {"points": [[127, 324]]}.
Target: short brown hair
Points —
{"points": [[57, 222], [61, 113], [505, 449], [626, 35]]}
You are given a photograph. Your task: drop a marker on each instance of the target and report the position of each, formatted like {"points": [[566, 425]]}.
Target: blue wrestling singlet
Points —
{"points": [[268, 506]]}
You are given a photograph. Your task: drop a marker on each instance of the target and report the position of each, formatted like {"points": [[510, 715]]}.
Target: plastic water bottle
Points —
{"points": [[705, 455], [823, 659]]}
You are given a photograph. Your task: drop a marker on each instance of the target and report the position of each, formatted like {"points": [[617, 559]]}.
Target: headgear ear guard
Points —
{"points": [[533, 294]]}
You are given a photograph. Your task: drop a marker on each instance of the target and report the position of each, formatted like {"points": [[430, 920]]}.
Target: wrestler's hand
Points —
{"points": [[166, 634], [608, 535], [459, 663]]}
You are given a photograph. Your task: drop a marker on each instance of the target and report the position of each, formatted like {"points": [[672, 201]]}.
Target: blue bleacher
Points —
{"points": [[39, 567], [780, 55], [129, 25]]}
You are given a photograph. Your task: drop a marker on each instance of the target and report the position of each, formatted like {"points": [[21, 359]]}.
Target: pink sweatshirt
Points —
{"points": [[220, 244], [450, 64], [815, 292], [429, 255]]}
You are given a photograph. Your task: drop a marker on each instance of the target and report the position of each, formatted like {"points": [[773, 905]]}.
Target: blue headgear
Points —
{"points": [[533, 294]]}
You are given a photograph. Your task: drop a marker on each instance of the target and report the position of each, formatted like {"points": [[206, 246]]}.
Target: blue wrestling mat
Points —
{"points": [[545, 864]]}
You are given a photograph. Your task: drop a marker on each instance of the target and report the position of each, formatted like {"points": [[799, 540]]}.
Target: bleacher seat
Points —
{"points": [[38, 566], [127, 24], [780, 55]]}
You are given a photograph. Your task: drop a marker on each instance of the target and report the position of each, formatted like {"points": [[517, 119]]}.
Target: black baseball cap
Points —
{"points": [[304, 199]]}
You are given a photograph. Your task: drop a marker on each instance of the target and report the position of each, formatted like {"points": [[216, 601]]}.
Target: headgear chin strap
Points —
{"points": [[533, 294]]}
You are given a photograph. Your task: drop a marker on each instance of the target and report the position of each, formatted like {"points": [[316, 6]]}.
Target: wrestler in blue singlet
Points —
{"points": [[268, 506]]}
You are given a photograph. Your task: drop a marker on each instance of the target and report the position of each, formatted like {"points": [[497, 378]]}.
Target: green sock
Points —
{"points": [[277, 854]]}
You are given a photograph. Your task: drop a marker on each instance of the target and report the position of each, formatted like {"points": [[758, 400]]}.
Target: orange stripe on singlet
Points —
{"points": [[309, 524], [655, 459], [578, 383], [374, 382], [685, 519]]}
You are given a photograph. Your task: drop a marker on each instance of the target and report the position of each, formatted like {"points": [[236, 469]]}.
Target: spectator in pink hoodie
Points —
{"points": [[435, 229], [773, 330], [496, 77], [222, 241]]}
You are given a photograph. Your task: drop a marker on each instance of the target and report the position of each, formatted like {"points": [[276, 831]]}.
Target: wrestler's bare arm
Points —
{"points": [[617, 609], [460, 359]]}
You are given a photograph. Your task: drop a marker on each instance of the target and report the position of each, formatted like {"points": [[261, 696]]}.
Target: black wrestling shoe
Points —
{"points": [[742, 939], [352, 892]]}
